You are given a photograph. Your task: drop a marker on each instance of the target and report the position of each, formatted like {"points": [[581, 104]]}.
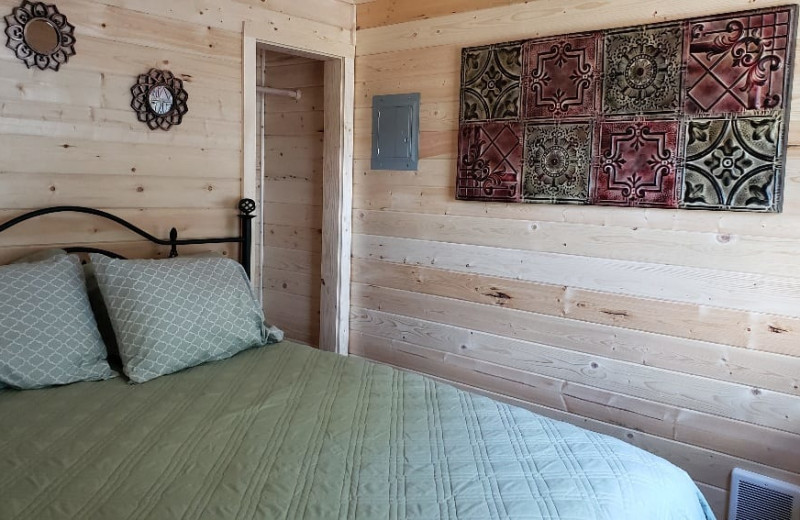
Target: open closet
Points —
{"points": [[289, 151]]}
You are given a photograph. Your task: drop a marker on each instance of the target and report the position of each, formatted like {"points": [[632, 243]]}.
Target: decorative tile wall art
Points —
{"points": [[637, 164], [738, 63], [691, 114], [490, 161], [490, 84], [560, 77], [732, 163], [558, 163], [643, 70]]}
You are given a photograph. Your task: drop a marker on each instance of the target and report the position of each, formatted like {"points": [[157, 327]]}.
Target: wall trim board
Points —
{"points": [[289, 34], [337, 198]]}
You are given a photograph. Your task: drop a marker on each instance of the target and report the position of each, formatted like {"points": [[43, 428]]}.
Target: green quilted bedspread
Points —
{"points": [[289, 432]]}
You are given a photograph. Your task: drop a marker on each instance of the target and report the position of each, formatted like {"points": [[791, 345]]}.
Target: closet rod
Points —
{"points": [[279, 92]]}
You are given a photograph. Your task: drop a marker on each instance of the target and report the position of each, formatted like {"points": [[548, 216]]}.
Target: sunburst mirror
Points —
{"points": [[159, 99], [39, 35]]}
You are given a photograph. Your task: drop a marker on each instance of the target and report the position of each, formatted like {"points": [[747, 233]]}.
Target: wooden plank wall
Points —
{"points": [[293, 196], [677, 331], [70, 137], [377, 13]]}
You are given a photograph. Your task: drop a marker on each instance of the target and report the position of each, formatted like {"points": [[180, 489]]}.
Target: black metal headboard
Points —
{"points": [[246, 209]]}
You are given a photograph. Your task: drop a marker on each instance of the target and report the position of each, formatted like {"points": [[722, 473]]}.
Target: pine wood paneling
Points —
{"points": [[71, 138], [376, 13], [533, 19], [293, 135], [675, 331], [737, 290], [576, 351], [715, 325]]}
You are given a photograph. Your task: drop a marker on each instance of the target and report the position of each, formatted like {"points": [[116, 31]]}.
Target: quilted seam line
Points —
{"points": [[67, 476], [468, 411], [399, 444], [112, 485], [204, 494], [179, 459], [568, 458], [449, 500], [254, 494], [112, 401], [525, 458], [355, 446], [314, 448]]}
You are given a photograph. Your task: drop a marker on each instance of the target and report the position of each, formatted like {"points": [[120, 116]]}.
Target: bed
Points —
{"points": [[286, 431]]}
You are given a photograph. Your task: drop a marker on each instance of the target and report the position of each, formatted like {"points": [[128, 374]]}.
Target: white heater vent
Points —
{"points": [[756, 497]]}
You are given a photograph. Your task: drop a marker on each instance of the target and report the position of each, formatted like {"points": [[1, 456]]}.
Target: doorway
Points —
{"points": [[289, 151], [304, 189]]}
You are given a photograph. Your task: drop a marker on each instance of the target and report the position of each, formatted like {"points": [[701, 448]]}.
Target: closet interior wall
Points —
{"points": [[290, 153]]}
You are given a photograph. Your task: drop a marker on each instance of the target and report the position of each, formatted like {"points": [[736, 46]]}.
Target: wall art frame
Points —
{"points": [[159, 99], [40, 35], [685, 114]]}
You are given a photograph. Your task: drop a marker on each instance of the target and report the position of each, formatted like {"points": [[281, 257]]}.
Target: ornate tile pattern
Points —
{"points": [[738, 63], [490, 82], [490, 162], [732, 164], [687, 114], [637, 164], [560, 77], [558, 160], [643, 70]]}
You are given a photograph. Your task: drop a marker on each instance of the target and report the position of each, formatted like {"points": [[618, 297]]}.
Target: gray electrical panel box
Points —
{"points": [[395, 132]]}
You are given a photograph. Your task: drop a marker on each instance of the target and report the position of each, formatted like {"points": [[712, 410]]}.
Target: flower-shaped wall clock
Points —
{"points": [[159, 99], [39, 35]]}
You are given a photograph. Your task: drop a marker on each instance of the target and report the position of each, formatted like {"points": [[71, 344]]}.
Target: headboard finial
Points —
{"points": [[173, 242], [247, 206]]}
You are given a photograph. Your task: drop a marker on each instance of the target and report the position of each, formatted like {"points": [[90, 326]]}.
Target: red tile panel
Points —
{"points": [[489, 162], [636, 164], [560, 77], [738, 63]]}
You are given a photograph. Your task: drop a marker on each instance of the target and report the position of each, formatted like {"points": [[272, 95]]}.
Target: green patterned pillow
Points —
{"points": [[48, 335], [173, 314]]}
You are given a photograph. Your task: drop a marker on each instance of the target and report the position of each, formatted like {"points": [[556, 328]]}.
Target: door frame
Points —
{"points": [[337, 171]]}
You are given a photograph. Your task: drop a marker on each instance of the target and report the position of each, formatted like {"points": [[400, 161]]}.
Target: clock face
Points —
{"points": [[160, 100]]}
